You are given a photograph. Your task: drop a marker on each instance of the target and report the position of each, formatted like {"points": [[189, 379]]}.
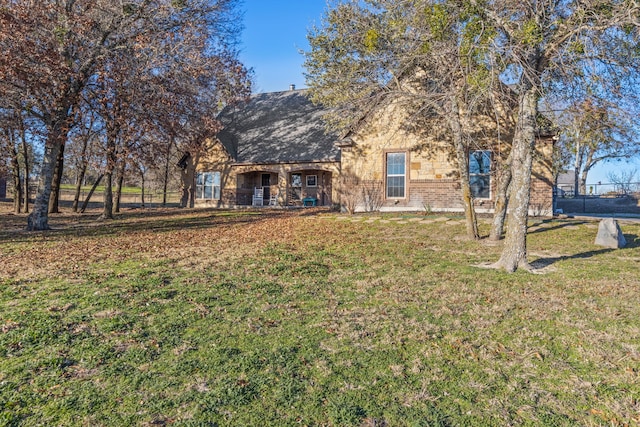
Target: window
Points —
{"points": [[480, 174], [312, 180], [296, 180], [396, 174], [208, 185]]}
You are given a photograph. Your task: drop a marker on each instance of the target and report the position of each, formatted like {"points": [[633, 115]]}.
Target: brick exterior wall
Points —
{"points": [[239, 180], [435, 194], [431, 182], [445, 195], [541, 199]]}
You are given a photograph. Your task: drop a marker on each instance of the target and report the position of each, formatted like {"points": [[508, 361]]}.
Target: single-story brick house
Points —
{"points": [[274, 150], [275, 143]]}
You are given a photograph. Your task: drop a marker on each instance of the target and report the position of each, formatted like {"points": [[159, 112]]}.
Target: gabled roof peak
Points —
{"points": [[277, 127]]}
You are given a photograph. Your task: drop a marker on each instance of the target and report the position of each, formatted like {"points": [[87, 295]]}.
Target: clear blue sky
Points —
{"points": [[275, 33]]}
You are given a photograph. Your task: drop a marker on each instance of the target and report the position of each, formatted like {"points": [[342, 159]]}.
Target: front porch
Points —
{"points": [[247, 183], [303, 187], [309, 188]]}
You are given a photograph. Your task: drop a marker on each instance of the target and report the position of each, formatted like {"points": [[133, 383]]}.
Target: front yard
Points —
{"points": [[310, 318]]}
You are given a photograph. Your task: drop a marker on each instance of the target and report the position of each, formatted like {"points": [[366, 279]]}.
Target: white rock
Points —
{"points": [[610, 235]]}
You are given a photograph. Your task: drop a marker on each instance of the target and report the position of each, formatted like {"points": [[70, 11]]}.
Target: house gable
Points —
{"points": [[431, 180], [268, 146], [278, 127]]}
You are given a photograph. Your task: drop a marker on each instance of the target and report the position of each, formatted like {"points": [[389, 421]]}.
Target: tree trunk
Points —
{"points": [[39, 217], [502, 202], [588, 164], [576, 170], [76, 196], [15, 171], [188, 183], [27, 169], [17, 189], [93, 188], [119, 182], [107, 211], [467, 198], [83, 171], [462, 157], [57, 180], [142, 194], [192, 190], [514, 253], [583, 182], [165, 184]]}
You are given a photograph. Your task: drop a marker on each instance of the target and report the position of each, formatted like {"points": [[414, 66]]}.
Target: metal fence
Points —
{"points": [[600, 198], [151, 198], [599, 189]]}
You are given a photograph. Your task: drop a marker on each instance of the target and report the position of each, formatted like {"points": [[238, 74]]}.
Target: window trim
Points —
{"points": [[201, 188], [315, 180], [405, 175], [293, 184], [485, 174]]}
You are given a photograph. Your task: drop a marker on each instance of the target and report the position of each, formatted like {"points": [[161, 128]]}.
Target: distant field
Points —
{"points": [[288, 318], [130, 195], [100, 188]]}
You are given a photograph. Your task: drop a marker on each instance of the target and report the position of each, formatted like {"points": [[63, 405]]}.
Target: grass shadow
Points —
{"points": [[542, 263], [159, 221], [633, 241], [556, 227]]}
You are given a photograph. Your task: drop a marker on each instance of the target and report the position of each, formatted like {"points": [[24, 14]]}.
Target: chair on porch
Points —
{"points": [[258, 194], [273, 199]]}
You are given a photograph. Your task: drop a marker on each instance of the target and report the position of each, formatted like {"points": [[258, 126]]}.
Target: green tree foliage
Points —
{"points": [[445, 57], [544, 45], [433, 57]]}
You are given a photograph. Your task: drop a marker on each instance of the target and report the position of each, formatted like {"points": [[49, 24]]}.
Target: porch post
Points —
{"points": [[335, 185], [283, 190]]}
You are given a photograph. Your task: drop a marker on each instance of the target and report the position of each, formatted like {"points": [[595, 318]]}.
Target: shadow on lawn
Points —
{"points": [[633, 242], [557, 226], [160, 221], [541, 263]]}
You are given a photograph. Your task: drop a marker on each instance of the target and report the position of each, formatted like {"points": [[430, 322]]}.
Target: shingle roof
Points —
{"points": [[277, 127]]}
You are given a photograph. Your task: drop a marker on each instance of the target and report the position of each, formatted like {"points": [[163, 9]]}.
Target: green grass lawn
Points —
{"points": [[209, 318], [100, 188]]}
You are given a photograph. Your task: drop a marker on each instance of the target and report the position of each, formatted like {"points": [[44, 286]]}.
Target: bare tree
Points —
{"points": [[17, 146], [81, 147], [624, 181], [8, 143], [53, 50], [349, 190], [430, 56], [542, 42], [598, 130], [142, 159]]}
